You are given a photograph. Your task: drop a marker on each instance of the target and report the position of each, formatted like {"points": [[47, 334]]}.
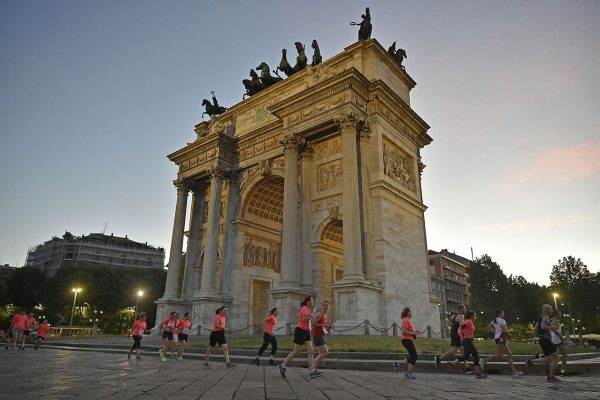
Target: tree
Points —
{"points": [[569, 272], [25, 286], [490, 288]]}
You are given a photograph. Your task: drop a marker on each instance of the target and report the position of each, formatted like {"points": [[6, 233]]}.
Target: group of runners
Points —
{"points": [[313, 324], [22, 326]]}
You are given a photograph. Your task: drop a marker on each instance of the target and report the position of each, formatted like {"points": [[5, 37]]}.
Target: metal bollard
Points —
{"points": [[288, 328], [366, 325], [429, 336], [395, 329]]}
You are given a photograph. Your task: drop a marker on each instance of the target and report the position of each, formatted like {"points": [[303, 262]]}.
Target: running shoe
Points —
{"points": [[161, 353], [207, 365], [316, 374], [396, 367], [230, 365], [128, 355], [138, 358], [163, 359], [271, 362], [172, 356], [553, 379], [256, 361], [517, 374], [282, 370], [536, 356], [482, 364], [563, 372], [179, 358], [481, 376], [471, 372], [6, 347], [409, 375], [438, 361]]}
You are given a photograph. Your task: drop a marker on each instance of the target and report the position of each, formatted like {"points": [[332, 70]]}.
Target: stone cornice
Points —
{"points": [[382, 184], [385, 102]]}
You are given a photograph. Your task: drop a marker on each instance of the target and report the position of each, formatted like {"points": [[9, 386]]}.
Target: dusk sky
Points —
{"points": [[95, 94]]}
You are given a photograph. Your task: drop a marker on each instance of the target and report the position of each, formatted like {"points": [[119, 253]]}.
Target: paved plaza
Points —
{"points": [[69, 374]]}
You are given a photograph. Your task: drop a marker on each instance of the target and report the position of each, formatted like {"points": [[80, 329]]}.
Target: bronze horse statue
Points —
{"points": [[212, 108], [253, 85], [316, 59], [265, 75], [399, 55], [301, 61]]}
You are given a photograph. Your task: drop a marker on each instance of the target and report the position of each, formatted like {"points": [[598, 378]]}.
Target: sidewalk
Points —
{"points": [[585, 364], [65, 374]]}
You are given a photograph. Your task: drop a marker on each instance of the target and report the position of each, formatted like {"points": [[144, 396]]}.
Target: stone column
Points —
{"points": [[209, 264], [233, 199], [194, 240], [172, 285], [367, 220], [306, 279], [289, 234], [349, 124]]}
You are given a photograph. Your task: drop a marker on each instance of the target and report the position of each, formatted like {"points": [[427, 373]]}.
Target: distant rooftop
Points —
{"points": [[101, 238]]}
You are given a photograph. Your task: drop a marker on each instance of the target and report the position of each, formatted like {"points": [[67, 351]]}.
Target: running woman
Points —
{"points": [[268, 336], [41, 333], [27, 331], [137, 331], [455, 320], [18, 324], [320, 325], [556, 337], [302, 339], [543, 329], [169, 326], [498, 326], [217, 336], [467, 332], [408, 335], [184, 328]]}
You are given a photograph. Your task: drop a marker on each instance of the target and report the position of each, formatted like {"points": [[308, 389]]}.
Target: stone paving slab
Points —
{"points": [[52, 373]]}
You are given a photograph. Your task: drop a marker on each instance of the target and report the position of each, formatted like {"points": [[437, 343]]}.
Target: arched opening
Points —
{"points": [[330, 253], [260, 231]]}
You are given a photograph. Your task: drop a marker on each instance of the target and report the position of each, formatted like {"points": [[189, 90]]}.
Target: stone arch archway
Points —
{"points": [[329, 251], [261, 222]]}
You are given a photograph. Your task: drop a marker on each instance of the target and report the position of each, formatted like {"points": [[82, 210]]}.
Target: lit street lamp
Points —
{"points": [[77, 290], [555, 295], [140, 293]]}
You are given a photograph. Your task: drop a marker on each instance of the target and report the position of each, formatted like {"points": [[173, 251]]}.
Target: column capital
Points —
{"points": [[289, 141], [182, 185], [217, 172], [350, 119], [306, 150]]}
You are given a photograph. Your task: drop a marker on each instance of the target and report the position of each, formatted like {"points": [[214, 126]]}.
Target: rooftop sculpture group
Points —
{"points": [[257, 82]]}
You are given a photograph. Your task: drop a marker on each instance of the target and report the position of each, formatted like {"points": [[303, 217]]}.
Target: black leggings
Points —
{"points": [[137, 342], [268, 339], [469, 350], [412, 351]]}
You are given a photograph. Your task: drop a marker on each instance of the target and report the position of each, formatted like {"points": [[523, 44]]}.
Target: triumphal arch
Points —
{"points": [[311, 186]]}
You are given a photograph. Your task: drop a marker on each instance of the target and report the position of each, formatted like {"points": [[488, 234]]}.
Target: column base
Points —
{"points": [[164, 306], [203, 312], [355, 302], [287, 299]]}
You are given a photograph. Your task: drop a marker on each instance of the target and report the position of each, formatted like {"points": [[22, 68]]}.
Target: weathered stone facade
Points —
{"points": [[311, 186]]}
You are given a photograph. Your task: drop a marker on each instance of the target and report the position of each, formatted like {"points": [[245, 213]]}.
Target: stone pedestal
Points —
{"points": [[164, 307], [288, 301], [356, 302], [203, 313]]}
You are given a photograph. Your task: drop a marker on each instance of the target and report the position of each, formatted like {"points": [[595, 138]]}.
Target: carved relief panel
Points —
{"points": [[398, 165], [327, 148], [329, 175], [262, 254]]}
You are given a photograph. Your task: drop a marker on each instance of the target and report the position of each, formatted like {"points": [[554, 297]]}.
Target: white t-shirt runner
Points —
{"points": [[499, 325]]}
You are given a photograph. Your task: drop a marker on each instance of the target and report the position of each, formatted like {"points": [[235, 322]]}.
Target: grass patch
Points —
{"points": [[385, 344]]}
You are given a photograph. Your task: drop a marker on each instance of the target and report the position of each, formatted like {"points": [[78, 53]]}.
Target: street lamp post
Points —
{"points": [[555, 295], [77, 290], [140, 293]]}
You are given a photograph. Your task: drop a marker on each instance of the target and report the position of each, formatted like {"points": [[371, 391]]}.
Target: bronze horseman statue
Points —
{"points": [[399, 55], [301, 61], [213, 108]]}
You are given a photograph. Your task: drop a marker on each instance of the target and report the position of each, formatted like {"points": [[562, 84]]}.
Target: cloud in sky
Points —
{"points": [[557, 164]]}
